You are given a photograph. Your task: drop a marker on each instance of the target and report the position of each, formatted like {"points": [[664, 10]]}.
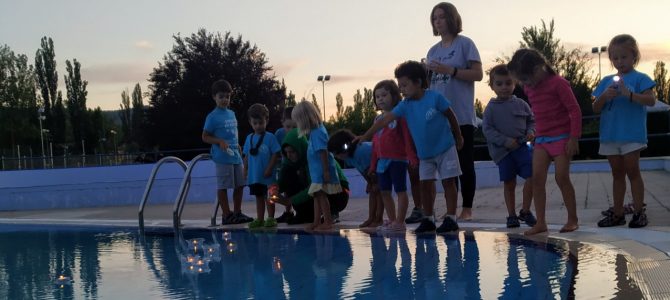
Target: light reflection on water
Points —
{"points": [[119, 263]]}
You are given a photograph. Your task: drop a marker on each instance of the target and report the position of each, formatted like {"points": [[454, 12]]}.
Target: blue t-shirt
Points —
{"points": [[280, 134], [256, 164], [318, 141], [222, 124], [427, 123], [621, 120], [362, 157]]}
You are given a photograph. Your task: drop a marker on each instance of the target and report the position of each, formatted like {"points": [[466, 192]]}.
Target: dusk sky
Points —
{"points": [[357, 42]]}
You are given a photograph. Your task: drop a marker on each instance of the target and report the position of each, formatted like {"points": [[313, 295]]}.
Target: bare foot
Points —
{"points": [[536, 229], [365, 224], [376, 223], [312, 226], [324, 227], [569, 227], [466, 214]]}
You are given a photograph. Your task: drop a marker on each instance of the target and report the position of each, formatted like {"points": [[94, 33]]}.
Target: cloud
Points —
{"points": [[144, 44], [283, 69], [117, 73], [655, 52]]}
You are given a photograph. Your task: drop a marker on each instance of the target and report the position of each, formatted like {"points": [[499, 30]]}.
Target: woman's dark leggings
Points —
{"points": [[466, 158]]}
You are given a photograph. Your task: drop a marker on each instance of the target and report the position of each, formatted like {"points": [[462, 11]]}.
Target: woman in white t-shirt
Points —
{"points": [[454, 66]]}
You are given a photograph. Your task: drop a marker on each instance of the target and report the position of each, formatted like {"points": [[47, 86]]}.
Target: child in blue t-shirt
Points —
{"points": [[320, 162], [261, 154], [220, 130], [437, 137], [359, 156], [621, 99]]}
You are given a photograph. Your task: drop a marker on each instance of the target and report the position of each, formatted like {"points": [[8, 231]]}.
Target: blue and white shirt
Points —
{"points": [[427, 123], [621, 120], [256, 164], [317, 142], [222, 123]]}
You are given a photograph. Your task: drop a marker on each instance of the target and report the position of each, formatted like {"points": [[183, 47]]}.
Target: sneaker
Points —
{"points": [[256, 223], [513, 222], [415, 217], [527, 217], [612, 220], [227, 220], [336, 218], [448, 225], [287, 215], [425, 226], [627, 209], [270, 222], [639, 220], [239, 218]]}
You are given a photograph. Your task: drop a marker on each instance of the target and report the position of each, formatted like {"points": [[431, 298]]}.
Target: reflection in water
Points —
{"points": [[118, 263]]}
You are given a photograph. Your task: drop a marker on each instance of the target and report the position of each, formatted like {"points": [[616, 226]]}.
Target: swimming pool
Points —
{"points": [[119, 263]]}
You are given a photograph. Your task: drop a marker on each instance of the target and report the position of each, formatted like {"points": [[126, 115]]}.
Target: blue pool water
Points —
{"points": [[119, 263]]}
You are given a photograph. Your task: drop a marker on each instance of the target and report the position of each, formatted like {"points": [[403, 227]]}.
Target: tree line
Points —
{"points": [[33, 111], [179, 95]]}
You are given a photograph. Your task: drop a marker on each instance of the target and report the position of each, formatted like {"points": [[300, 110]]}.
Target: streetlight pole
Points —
{"points": [[42, 117], [323, 79], [599, 51]]}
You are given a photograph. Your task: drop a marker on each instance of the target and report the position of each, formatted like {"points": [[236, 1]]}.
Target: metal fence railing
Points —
{"points": [[26, 162]]}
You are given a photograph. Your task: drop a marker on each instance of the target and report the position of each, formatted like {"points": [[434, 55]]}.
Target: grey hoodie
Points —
{"points": [[506, 121]]}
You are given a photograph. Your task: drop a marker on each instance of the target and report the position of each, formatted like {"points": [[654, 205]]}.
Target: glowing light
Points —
{"points": [[616, 78], [226, 236], [62, 281]]}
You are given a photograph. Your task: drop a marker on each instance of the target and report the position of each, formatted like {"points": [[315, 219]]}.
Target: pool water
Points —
{"points": [[120, 263]]}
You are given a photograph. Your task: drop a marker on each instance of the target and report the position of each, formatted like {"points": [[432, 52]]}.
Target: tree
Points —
{"points": [[137, 118], [18, 101], [59, 129], [573, 64], [125, 116], [479, 108], [662, 87], [357, 118], [76, 102], [180, 87], [47, 77], [290, 99]]}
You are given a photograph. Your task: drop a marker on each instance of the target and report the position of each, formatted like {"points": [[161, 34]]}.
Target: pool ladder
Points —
{"points": [[178, 207]]}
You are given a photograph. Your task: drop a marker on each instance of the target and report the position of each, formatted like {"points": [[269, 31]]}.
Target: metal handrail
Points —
{"points": [[178, 207], [150, 183]]}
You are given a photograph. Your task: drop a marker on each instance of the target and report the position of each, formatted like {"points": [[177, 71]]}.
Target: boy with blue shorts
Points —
{"points": [[220, 130], [509, 127]]}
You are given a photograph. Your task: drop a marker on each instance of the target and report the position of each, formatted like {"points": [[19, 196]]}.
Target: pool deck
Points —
{"points": [[648, 248]]}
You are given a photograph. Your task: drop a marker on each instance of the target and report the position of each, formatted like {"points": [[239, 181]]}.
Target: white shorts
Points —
{"points": [[620, 148], [229, 176], [442, 166]]}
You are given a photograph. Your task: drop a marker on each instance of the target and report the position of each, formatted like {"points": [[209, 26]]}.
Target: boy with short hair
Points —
{"points": [[287, 125], [261, 154], [436, 134], [220, 130], [509, 126], [359, 156]]}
